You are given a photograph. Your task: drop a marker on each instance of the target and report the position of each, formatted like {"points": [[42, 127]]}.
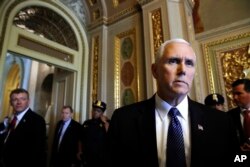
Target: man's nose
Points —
{"points": [[181, 69]]}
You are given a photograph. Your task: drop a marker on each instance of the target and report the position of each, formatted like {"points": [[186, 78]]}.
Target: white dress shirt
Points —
{"points": [[162, 123], [65, 126], [20, 116]]}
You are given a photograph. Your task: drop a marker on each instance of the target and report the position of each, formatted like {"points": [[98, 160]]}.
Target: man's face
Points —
{"points": [[241, 97], [66, 114], [218, 107], [19, 102], [175, 70]]}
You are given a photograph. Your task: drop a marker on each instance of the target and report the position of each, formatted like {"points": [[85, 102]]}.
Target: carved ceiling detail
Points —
{"points": [[47, 24]]}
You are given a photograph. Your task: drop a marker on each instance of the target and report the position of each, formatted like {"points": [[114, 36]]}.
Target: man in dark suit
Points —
{"points": [[241, 96], [140, 134], [66, 140], [25, 142]]}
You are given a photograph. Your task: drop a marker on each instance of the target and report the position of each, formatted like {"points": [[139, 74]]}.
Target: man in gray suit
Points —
{"points": [[138, 134]]}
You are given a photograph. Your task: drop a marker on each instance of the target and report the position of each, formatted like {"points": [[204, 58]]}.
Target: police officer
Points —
{"points": [[215, 100], [94, 136]]}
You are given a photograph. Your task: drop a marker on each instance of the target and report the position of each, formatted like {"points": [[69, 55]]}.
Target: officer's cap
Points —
{"points": [[99, 104], [214, 99]]}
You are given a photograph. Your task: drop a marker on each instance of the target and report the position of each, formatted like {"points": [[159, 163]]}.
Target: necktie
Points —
{"points": [[11, 128], [13, 123], [247, 123], [175, 142], [59, 135]]}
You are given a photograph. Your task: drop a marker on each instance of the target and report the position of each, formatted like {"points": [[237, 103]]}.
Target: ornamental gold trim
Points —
{"points": [[96, 53], [119, 61], [157, 29], [227, 59]]}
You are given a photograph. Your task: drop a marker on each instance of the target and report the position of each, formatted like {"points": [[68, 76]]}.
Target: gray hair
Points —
{"points": [[163, 45]]}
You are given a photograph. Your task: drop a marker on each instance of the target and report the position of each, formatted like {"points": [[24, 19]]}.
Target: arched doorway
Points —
{"points": [[46, 34]]}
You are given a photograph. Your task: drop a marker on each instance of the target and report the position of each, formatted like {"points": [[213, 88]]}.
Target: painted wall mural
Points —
{"points": [[126, 80]]}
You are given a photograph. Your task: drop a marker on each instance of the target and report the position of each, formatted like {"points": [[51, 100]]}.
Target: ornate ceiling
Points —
{"points": [[91, 13], [97, 12], [46, 23]]}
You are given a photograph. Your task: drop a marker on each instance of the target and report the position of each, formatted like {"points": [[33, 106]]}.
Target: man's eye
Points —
{"points": [[173, 61], [189, 63], [20, 99]]}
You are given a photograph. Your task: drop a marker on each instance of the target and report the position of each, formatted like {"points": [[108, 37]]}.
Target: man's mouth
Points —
{"points": [[180, 81]]}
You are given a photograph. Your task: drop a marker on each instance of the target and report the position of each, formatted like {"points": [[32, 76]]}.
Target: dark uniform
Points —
{"points": [[214, 99], [94, 139]]}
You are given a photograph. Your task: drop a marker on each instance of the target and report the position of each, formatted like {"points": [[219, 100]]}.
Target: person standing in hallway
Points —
{"points": [[241, 115], [3, 133], [170, 129], [94, 136], [66, 140], [215, 100], [25, 143]]}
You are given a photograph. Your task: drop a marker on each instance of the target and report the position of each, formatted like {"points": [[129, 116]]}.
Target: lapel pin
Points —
{"points": [[200, 127]]}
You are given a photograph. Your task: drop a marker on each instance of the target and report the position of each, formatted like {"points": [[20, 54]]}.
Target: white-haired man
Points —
{"points": [[170, 129]]}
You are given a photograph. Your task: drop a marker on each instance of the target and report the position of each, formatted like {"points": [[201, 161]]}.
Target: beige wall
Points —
{"points": [[217, 13]]}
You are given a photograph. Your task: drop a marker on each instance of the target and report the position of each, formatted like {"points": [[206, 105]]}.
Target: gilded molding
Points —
{"points": [[6, 17], [157, 29], [95, 67], [226, 60], [111, 20], [144, 2], [124, 83], [14, 4], [234, 63]]}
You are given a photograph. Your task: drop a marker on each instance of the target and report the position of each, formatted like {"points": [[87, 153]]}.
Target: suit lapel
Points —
{"points": [[198, 131], [23, 120], [147, 132], [18, 131], [239, 128], [67, 130]]}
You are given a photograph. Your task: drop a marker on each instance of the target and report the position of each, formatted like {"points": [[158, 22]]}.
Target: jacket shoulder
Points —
{"points": [[34, 116]]}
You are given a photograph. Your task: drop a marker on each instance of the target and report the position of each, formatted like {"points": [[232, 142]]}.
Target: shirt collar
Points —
{"points": [[67, 122], [243, 110], [21, 114], [163, 107]]}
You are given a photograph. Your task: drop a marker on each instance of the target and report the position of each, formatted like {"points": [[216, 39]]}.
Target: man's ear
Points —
{"points": [[154, 70], [10, 102]]}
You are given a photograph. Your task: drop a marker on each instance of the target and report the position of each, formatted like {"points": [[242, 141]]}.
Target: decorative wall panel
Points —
{"points": [[157, 29], [95, 67], [227, 60], [126, 79]]}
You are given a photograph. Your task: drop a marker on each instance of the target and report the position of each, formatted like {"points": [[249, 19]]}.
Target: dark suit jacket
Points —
{"points": [[235, 116], [66, 155], [132, 136], [25, 146]]}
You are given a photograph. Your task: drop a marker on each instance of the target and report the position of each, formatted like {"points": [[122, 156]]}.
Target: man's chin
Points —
{"points": [[19, 110], [181, 92]]}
